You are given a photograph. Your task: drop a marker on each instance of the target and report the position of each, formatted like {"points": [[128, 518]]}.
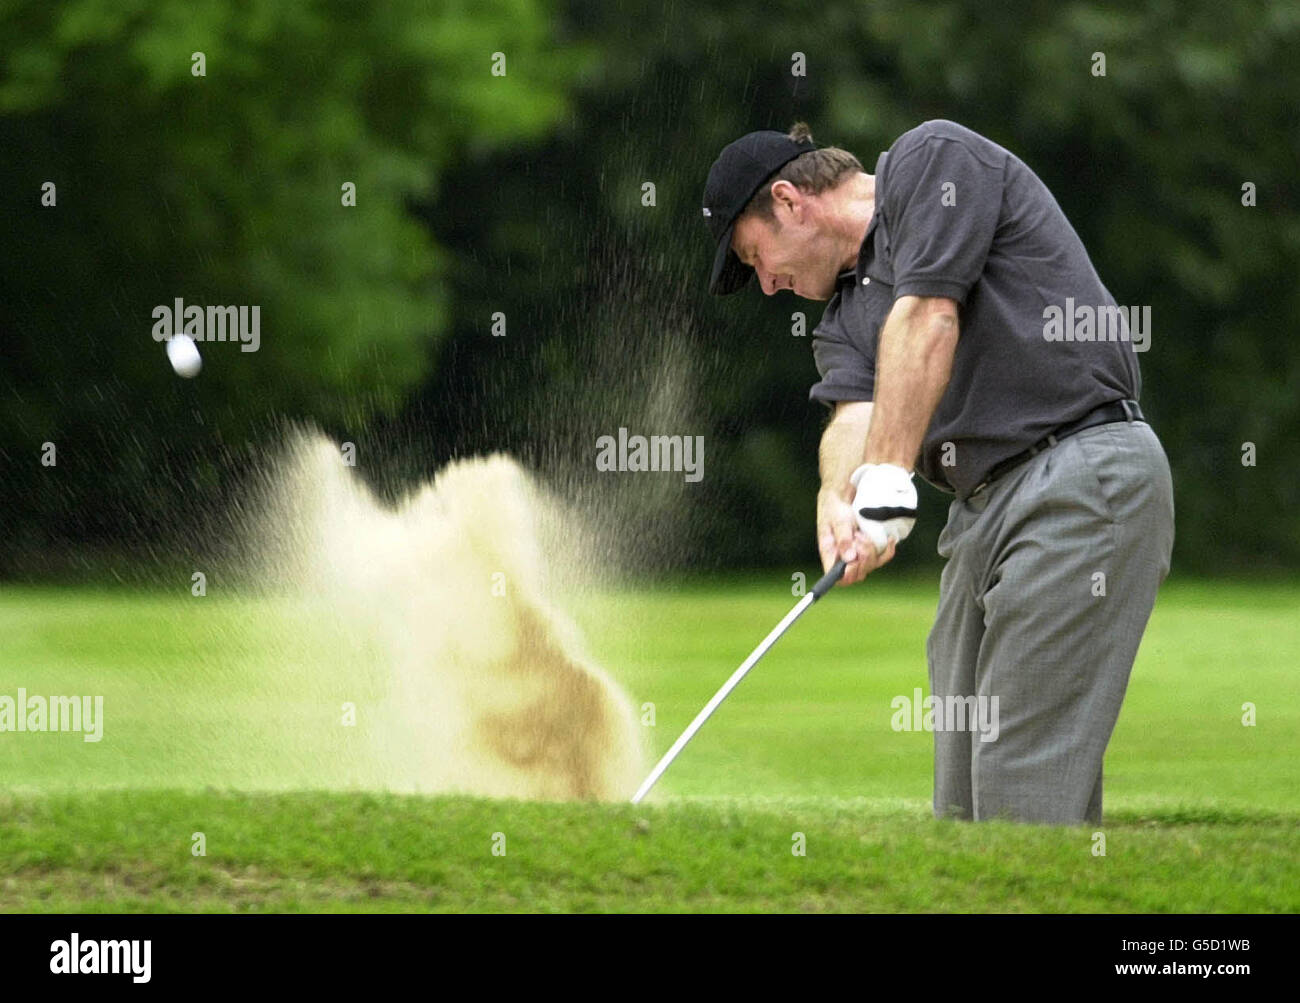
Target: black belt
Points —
{"points": [[1121, 410]]}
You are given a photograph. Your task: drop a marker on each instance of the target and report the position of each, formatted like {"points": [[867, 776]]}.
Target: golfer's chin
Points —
{"points": [[814, 291]]}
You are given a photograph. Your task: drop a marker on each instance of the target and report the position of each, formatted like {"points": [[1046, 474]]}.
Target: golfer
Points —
{"points": [[968, 338]]}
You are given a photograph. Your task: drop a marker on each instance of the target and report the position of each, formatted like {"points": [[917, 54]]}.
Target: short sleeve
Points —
{"points": [[846, 373], [942, 209]]}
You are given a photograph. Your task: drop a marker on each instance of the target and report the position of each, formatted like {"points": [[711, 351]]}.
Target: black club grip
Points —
{"points": [[828, 580]]}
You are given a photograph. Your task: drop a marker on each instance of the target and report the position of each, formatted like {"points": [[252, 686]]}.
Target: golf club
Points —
{"points": [[820, 589]]}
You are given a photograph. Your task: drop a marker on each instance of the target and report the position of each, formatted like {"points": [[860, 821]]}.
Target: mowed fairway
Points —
{"points": [[206, 730]]}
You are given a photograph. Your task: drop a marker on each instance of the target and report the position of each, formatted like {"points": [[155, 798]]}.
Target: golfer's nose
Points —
{"points": [[768, 281]]}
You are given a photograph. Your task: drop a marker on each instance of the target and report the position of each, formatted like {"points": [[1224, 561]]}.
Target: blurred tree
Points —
{"points": [[223, 190], [227, 188]]}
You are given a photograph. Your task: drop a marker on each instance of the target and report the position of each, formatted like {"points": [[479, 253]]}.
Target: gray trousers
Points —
{"points": [[1051, 574]]}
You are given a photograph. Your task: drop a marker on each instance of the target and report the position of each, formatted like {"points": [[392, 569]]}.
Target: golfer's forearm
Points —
{"points": [[913, 365], [843, 444]]}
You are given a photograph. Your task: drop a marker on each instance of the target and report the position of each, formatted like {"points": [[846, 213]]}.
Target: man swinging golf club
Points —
{"points": [[969, 339]]}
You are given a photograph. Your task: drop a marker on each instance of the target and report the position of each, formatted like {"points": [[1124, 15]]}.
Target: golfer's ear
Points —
{"points": [[786, 194]]}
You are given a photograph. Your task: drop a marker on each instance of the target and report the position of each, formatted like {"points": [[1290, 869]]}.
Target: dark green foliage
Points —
{"points": [[522, 195]]}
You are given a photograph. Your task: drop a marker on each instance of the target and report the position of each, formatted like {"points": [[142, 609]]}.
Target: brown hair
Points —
{"points": [[813, 172]]}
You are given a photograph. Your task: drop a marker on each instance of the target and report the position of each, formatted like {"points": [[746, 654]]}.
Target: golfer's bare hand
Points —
{"points": [[838, 536]]}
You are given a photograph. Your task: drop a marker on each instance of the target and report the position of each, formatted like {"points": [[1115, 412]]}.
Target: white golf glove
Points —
{"points": [[885, 503]]}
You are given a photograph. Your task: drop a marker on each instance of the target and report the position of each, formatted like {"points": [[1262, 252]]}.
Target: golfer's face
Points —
{"points": [[794, 256]]}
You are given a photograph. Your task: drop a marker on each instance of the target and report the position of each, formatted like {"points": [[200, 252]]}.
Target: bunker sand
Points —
{"points": [[444, 607]]}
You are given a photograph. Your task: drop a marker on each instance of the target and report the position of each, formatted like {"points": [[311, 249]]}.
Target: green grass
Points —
{"points": [[328, 852], [814, 718], [210, 729]]}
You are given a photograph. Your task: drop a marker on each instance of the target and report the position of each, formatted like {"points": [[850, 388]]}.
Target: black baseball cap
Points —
{"points": [[739, 172]]}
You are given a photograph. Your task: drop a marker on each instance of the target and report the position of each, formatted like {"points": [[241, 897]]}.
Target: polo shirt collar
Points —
{"points": [[859, 272]]}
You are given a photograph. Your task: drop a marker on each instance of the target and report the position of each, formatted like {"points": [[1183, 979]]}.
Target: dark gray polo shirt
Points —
{"points": [[958, 216]]}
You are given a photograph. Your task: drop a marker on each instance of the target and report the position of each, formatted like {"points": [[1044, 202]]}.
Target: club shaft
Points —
{"points": [[817, 592]]}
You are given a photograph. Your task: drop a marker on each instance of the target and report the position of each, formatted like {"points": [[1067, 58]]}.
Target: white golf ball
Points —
{"points": [[184, 355]]}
